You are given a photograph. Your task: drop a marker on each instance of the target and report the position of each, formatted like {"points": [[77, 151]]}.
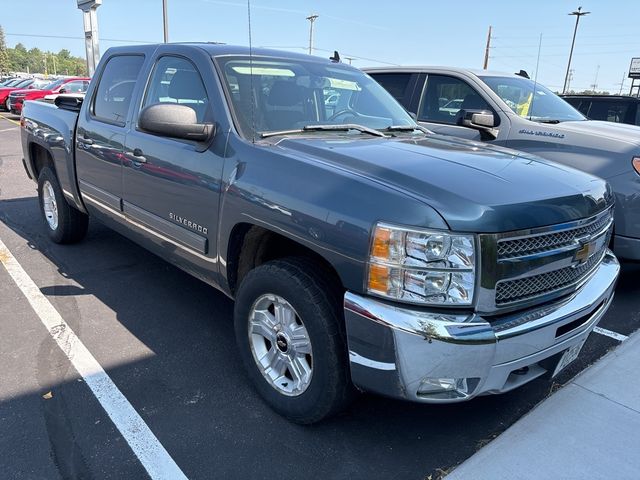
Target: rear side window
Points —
{"points": [[115, 90], [608, 111], [394, 83]]}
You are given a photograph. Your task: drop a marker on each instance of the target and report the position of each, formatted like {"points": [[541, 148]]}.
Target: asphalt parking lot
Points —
{"points": [[166, 340]]}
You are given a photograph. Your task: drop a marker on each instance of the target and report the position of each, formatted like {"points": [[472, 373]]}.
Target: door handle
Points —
{"points": [[85, 141], [140, 158]]}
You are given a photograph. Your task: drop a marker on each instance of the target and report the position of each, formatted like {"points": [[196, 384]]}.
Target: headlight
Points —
{"points": [[422, 266], [636, 164]]}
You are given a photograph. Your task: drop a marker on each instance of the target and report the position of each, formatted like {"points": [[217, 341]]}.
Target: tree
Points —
{"points": [[5, 64], [19, 58], [35, 60]]}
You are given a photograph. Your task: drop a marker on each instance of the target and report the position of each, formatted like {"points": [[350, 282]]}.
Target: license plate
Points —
{"points": [[569, 356]]}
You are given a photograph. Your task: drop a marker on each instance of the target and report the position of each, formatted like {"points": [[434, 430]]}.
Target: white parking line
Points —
{"points": [[153, 456], [610, 334], [7, 129]]}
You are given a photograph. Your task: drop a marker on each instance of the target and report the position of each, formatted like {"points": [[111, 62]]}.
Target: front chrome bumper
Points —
{"points": [[396, 351]]}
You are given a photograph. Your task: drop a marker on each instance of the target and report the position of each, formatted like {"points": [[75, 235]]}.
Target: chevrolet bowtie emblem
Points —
{"points": [[584, 252]]}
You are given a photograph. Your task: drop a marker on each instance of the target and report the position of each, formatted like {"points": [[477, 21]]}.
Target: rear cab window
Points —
{"points": [[112, 97]]}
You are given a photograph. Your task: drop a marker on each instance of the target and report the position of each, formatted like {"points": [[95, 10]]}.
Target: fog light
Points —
{"points": [[446, 387]]}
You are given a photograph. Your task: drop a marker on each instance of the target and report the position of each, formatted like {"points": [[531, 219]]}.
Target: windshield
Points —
{"points": [[24, 83], [293, 94], [546, 106], [39, 84]]}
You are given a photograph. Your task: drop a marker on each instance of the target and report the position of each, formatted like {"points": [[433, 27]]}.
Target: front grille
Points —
{"points": [[549, 241], [529, 287]]}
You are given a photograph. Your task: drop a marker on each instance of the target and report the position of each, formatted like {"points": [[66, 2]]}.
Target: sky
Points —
{"points": [[408, 32]]}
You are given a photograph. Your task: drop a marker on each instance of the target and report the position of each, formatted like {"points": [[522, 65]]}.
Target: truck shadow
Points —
{"points": [[190, 388]]}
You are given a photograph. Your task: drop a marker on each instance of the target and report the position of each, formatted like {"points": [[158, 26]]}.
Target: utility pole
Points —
{"points": [[165, 21], [311, 18], [349, 59], [90, 19], [486, 50], [624, 76], [594, 86], [578, 13], [570, 79]]}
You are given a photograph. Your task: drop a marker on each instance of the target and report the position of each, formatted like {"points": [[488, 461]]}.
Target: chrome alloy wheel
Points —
{"points": [[280, 345], [49, 205]]}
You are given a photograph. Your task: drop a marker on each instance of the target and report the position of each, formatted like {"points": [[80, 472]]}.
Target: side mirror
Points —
{"points": [[479, 119], [174, 120], [62, 90]]}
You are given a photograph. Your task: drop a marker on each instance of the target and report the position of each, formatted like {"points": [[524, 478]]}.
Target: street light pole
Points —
{"points": [[311, 18], [165, 21], [90, 20], [578, 13]]}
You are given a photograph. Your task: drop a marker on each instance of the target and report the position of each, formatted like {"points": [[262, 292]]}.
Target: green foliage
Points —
{"points": [[19, 59], [5, 64]]}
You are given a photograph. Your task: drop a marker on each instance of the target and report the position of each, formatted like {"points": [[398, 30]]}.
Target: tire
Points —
{"points": [[64, 224], [317, 313]]}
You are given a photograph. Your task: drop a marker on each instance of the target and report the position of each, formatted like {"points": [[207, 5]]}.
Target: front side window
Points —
{"points": [[115, 90], [270, 95], [77, 86], [444, 97], [532, 100], [177, 80]]}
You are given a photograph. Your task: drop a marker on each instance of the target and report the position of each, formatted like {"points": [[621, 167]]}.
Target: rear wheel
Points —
{"points": [[64, 223], [289, 337]]}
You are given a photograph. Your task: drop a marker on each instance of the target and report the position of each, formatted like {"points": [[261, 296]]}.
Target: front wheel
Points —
{"points": [[288, 332], [64, 223]]}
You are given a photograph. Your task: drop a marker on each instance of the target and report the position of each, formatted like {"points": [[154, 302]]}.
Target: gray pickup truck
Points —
{"points": [[361, 250], [501, 108]]}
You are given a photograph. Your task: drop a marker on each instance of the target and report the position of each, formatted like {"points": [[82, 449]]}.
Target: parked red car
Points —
{"points": [[63, 85], [5, 91]]}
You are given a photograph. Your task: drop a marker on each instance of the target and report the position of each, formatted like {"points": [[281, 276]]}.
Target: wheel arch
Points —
{"points": [[252, 245]]}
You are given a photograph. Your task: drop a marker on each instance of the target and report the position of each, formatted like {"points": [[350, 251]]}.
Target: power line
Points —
{"points": [[75, 38]]}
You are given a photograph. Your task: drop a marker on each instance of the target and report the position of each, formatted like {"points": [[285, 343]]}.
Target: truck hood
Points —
{"points": [[474, 186], [618, 132]]}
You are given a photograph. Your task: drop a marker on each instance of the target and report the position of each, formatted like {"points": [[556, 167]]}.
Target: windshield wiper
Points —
{"points": [[407, 128], [326, 128], [552, 121]]}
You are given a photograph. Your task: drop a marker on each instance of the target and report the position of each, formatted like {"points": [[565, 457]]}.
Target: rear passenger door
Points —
{"points": [[172, 185], [101, 133]]}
